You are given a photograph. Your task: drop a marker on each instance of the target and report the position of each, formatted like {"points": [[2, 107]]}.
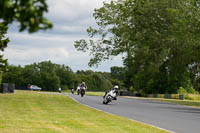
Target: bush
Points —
{"points": [[189, 90], [64, 87], [132, 89], [181, 90]]}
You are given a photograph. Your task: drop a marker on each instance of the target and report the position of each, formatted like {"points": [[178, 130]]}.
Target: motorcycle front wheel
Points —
{"points": [[82, 93]]}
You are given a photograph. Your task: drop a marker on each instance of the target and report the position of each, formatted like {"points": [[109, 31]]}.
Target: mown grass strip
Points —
{"points": [[181, 102], [28, 112], [90, 93], [195, 97], [95, 93], [194, 102]]}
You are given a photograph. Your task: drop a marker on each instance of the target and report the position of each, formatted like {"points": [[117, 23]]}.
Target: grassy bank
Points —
{"points": [[30, 112]]}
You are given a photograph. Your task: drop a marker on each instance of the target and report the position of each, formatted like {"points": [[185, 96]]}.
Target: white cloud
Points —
{"points": [[74, 9], [70, 19]]}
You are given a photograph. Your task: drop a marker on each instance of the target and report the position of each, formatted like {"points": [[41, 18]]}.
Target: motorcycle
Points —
{"points": [[82, 91], [72, 90], [109, 96], [78, 90], [59, 90]]}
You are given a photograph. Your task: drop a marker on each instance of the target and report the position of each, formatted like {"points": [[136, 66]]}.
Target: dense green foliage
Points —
{"points": [[95, 81], [42, 74], [160, 41], [50, 76]]}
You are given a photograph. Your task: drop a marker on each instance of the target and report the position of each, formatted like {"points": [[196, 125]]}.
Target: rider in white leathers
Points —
{"points": [[83, 86], [78, 89], [114, 95]]}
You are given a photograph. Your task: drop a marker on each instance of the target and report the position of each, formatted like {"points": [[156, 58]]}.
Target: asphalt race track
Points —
{"points": [[176, 118]]}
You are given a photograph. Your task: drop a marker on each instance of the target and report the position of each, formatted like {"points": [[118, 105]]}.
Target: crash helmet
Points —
{"points": [[116, 87]]}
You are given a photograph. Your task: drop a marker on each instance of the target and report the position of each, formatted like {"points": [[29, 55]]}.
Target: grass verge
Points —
{"points": [[30, 112], [193, 103], [191, 100], [181, 102], [95, 93], [90, 93], [192, 97]]}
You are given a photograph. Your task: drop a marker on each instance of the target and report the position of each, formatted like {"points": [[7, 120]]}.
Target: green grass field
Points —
{"points": [[31, 112]]}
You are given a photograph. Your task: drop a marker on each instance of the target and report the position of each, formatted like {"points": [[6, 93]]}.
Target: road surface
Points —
{"points": [[176, 118]]}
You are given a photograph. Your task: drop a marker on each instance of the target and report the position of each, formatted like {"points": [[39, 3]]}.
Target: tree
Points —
{"points": [[158, 38], [29, 14], [3, 44], [66, 76], [48, 79], [118, 75], [117, 72]]}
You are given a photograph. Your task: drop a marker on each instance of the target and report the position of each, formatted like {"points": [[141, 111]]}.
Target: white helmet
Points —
{"points": [[116, 87]]}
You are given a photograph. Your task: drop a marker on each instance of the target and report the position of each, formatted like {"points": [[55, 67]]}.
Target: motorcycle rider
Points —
{"points": [[83, 86], [72, 90], [83, 89], [78, 88], [116, 88], [59, 90]]}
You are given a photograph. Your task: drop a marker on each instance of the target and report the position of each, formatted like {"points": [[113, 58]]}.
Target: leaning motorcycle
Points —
{"points": [[109, 96]]}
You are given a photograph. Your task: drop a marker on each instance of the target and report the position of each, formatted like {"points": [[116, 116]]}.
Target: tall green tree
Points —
{"points": [[117, 72], [3, 44], [67, 78], [118, 76], [158, 38], [28, 13], [48, 79]]}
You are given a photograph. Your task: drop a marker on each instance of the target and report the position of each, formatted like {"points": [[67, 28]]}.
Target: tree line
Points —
{"points": [[50, 76]]}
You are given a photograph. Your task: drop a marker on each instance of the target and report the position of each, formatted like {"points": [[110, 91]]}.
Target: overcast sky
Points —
{"points": [[70, 18]]}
